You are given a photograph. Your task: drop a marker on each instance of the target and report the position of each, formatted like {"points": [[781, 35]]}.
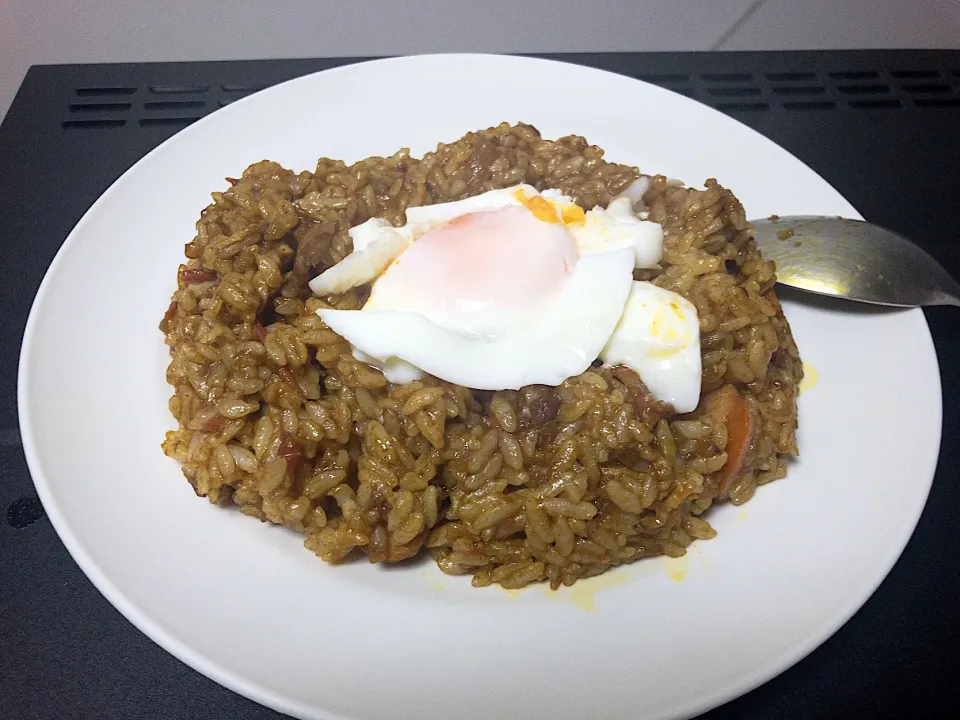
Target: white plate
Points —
{"points": [[245, 604]]}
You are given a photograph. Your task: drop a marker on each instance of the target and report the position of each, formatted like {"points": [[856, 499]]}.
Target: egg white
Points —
{"points": [[658, 336], [597, 312], [559, 341]]}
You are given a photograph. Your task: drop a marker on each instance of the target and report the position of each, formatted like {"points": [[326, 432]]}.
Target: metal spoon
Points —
{"points": [[854, 260]]}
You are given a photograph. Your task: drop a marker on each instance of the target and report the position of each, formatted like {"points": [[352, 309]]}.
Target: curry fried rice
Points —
{"points": [[551, 484]]}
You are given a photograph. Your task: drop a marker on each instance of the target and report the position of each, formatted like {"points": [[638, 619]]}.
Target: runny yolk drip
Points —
{"points": [[541, 209], [546, 211], [573, 215]]}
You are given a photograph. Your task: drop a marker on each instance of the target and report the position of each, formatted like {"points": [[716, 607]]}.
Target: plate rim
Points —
{"points": [[254, 690]]}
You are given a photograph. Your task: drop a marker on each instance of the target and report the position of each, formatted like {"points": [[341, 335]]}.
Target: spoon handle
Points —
{"points": [[948, 293], [947, 299]]}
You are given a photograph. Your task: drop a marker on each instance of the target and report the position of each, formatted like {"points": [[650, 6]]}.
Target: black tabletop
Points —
{"points": [[882, 127]]}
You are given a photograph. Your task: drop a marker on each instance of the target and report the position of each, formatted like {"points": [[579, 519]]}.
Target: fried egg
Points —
{"points": [[559, 338], [658, 336], [509, 288]]}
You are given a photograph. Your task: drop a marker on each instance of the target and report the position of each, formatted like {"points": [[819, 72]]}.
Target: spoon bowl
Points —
{"points": [[854, 260]]}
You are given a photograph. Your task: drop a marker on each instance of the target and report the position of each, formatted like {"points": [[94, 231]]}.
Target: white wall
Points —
{"points": [[822, 24], [53, 31]]}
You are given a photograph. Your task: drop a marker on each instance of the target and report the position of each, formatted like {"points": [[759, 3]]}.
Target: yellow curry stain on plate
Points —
{"points": [[583, 594], [435, 584], [677, 567], [810, 378]]}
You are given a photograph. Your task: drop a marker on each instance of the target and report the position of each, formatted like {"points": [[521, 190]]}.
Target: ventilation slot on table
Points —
{"points": [[105, 91], [90, 123], [175, 113], [174, 105], [864, 89], [727, 77], [810, 105], [168, 121], [734, 91], [234, 91], [928, 88], [741, 106], [854, 75], [99, 106], [179, 89], [914, 74], [104, 111], [937, 102], [790, 76], [889, 103], [794, 90]]}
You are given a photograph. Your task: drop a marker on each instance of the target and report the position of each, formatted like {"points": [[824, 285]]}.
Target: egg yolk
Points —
{"points": [[573, 215], [547, 211]]}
